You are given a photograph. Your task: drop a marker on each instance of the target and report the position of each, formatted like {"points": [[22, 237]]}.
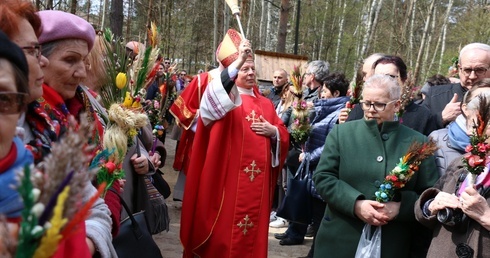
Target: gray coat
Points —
{"points": [[445, 238], [98, 224], [446, 153]]}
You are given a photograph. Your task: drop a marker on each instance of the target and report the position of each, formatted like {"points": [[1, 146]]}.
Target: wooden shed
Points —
{"points": [[267, 62]]}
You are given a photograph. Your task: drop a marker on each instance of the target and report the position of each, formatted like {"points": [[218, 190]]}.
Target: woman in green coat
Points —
{"points": [[356, 158]]}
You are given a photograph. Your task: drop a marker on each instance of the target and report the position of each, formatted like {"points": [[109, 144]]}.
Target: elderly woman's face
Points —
{"points": [[66, 67], [27, 40], [8, 120], [378, 105]]}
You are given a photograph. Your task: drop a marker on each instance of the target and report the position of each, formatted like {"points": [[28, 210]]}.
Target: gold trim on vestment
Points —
{"points": [[180, 102], [251, 117], [246, 224], [252, 170]]}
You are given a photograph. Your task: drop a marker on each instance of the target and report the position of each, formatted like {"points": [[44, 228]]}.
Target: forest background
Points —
{"points": [[427, 34]]}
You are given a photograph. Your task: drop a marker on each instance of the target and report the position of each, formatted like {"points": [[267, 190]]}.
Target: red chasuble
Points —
{"points": [[184, 109], [230, 184]]}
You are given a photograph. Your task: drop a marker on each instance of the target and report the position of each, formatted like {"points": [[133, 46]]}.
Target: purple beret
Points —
{"points": [[58, 25]]}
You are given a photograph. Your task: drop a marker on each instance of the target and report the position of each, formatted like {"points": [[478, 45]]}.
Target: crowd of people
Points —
{"points": [[238, 148]]}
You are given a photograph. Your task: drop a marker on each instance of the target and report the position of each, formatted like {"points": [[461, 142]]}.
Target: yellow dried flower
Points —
{"points": [[132, 133]]}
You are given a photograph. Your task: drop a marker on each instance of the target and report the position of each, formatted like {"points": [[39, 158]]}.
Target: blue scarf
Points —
{"points": [[457, 135], [10, 201]]}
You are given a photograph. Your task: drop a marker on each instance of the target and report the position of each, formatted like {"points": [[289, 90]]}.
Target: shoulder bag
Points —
{"points": [[134, 238], [296, 205]]}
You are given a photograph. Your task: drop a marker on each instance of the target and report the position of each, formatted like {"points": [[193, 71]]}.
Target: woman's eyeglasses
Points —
{"points": [[34, 50], [12, 102], [376, 105], [392, 76]]}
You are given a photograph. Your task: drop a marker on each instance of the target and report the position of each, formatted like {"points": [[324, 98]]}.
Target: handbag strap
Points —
{"points": [[303, 169], [134, 225], [138, 151]]}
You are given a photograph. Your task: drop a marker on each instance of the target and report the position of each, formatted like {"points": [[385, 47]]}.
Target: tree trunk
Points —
{"points": [[422, 42], [117, 17], [324, 22], [168, 17], [425, 65], [215, 30], [148, 16], [369, 28], [341, 31], [359, 37], [393, 22], [411, 37], [262, 25], [283, 26], [73, 6], [374, 25], [128, 23], [101, 14], [296, 29], [435, 50], [88, 10], [104, 11], [226, 19], [268, 30], [443, 33], [250, 18], [407, 21], [443, 48], [49, 5]]}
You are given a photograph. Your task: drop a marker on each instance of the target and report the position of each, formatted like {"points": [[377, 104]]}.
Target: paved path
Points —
{"points": [[169, 242]]}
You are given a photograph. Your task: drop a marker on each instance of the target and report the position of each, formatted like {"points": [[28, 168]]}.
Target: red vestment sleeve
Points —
{"points": [[185, 107]]}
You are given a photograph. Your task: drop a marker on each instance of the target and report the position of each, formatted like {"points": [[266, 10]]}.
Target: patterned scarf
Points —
{"points": [[47, 118], [482, 180]]}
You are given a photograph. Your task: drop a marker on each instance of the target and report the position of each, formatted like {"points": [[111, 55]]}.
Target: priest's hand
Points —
{"points": [[244, 51], [263, 127]]}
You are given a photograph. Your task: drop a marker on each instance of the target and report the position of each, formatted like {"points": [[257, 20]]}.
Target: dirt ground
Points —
{"points": [[169, 242]]}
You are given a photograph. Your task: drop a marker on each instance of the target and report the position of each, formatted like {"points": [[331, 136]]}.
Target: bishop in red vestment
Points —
{"points": [[239, 148]]}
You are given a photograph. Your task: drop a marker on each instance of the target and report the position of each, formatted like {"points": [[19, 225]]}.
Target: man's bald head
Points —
{"points": [[367, 66], [279, 78]]}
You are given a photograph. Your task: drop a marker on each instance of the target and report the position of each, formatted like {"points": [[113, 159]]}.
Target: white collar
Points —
{"points": [[249, 92]]}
